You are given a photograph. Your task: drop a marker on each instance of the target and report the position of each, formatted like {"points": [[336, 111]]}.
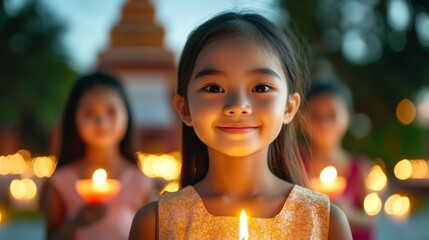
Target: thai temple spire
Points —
{"points": [[137, 41], [136, 53]]}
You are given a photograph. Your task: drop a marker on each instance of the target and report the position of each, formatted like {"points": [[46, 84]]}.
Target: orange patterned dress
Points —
{"points": [[182, 215]]}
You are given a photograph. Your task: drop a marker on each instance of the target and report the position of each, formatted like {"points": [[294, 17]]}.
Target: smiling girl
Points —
{"points": [[239, 90]]}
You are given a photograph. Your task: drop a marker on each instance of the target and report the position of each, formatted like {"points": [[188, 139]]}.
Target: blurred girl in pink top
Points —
{"points": [[328, 112], [96, 133]]}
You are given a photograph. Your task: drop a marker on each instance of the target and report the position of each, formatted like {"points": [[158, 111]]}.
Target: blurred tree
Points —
{"points": [[34, 74], [381, 49]]}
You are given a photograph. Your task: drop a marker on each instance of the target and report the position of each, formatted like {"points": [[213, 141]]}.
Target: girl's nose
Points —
{"points": [[101, 119], [236, 105]]}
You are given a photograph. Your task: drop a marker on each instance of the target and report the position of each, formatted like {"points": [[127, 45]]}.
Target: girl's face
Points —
{"points": [[328, 119], [237, 97], [101, 117]]}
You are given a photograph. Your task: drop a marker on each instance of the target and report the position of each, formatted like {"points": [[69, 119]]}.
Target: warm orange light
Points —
{"points": [[17, 164], [165, 166], [406, 112], [99, 188], [376, 179], [3, 168], [403, 169], [372, 204], [171, 187], [329, 183], [420, 169], [244, 231], [44, 166], [23, 188], [397, 206]]}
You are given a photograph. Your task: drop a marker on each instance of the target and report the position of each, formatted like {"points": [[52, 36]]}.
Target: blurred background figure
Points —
{"points": [[327, 117], [96, 133]]}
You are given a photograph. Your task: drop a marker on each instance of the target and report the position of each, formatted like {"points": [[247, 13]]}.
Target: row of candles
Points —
{"points": [[100, 188]]}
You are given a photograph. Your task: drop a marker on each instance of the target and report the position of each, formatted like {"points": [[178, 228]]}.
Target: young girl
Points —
{"points": [[96, 133], [238, 91], [330, 106]]}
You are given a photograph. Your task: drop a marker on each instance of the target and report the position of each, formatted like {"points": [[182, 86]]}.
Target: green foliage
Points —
{"points": [[378, 85], [34, 74]]}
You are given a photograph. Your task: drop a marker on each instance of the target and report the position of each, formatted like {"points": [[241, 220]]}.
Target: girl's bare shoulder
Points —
{"points": [[339, 227]]}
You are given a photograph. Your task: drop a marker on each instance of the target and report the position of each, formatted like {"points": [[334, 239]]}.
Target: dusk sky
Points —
{"points": [[88, 23]]}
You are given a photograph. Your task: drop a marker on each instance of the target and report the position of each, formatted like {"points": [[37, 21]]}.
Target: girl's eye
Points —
{"points": [[261, 88], [213, 89]]}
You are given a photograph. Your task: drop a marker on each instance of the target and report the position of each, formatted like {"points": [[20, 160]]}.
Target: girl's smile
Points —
{"points": [[238, 128]]}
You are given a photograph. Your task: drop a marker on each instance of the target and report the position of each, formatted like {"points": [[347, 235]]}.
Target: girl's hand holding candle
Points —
{"points": [[244, 232], [99, 188], [329, 183]]}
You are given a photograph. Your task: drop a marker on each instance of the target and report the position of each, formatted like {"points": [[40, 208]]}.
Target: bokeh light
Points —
{"points": [[416, 169], [354, 47], [399, 15], [421, 169], [44, 166], [422, 29], [3, 166], [376, 179], [422, 103], [405, 112], [403, 169], [372, 204], [23, 188], [397, 206], [14, 164], [166, 166]]}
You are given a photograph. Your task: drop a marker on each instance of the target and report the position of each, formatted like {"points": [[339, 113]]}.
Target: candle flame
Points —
{"points": [[328, 174], [99, 176], [244, 232]]}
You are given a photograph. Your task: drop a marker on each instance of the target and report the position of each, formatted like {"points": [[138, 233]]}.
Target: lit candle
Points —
{"points": [[329, 183], [99, 188], [244, 232]]}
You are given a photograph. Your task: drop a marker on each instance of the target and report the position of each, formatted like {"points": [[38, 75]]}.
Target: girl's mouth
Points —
{"points": [[238, 129]]}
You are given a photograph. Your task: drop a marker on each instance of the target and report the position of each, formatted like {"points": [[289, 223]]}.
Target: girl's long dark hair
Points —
{"points": [[284, 159], [72, 147]]}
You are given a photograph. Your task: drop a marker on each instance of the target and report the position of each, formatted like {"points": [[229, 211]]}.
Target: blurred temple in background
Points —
{"points": [[138, 56]]}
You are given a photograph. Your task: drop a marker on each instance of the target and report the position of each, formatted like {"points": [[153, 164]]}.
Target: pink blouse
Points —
{"points": [[121, 210]]}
